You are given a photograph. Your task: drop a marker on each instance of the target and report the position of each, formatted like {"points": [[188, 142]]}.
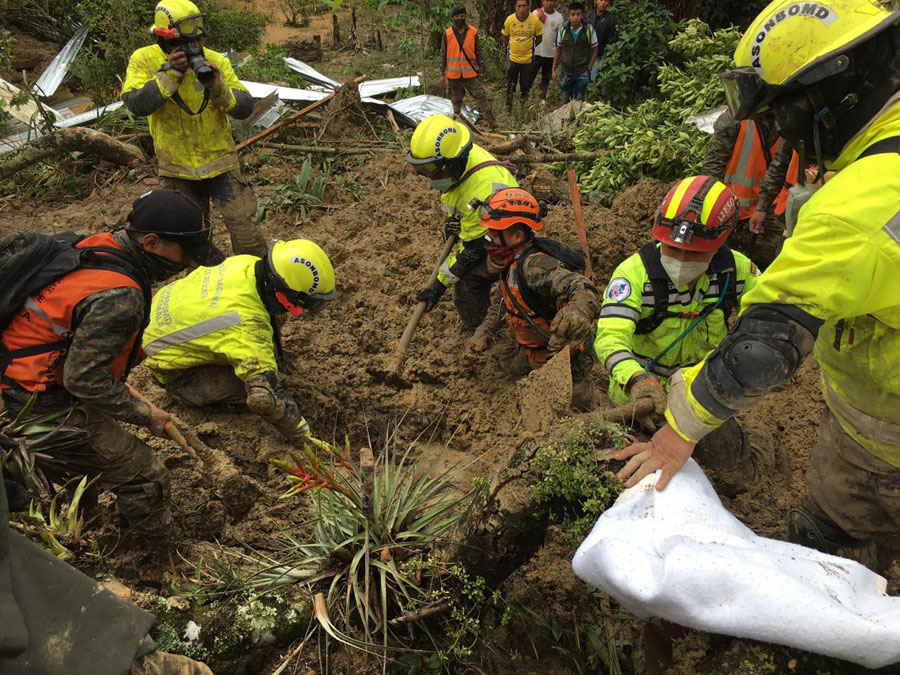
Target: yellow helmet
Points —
{"points": [[174, 19], [303, 274], [792, 45], [438, 144]]}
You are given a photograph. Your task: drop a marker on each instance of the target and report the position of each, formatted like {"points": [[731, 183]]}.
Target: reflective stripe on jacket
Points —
{"points": [[790, 180], [629, 298], [46, 319], [455, 203], [187, 146], [747, 166], [214, 315], [458, 66], [842, 265]]}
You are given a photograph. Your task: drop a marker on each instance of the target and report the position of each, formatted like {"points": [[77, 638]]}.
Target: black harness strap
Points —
{"points": [[184, 106], [885, 146]]}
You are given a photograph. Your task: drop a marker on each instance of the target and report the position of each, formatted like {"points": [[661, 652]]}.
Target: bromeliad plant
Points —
{"points": [[374, 529]]}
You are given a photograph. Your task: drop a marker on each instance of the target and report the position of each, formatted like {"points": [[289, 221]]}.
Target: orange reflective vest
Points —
{"points": [[790, 180], [42, 328], [747, 167], [460, 62]]}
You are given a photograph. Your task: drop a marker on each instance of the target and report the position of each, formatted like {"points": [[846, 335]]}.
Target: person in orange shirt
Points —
{"points": [[462, 68]]}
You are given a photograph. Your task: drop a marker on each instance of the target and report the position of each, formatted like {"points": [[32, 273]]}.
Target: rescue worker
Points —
{"points": [[442, 150], [549, 305], [188, 92], [754, 161], [830, 78], [73, 344], [462, 68], [57, 620], [212, 338], [668, 305]]}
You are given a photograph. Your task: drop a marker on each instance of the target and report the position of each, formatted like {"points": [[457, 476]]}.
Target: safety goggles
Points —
{"points": [[193, 26], [427, 167], [304, 302]]}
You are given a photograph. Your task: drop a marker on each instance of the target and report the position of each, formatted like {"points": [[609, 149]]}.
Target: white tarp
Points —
{"points": [[54, 73], [681, 556], [705, 120]]}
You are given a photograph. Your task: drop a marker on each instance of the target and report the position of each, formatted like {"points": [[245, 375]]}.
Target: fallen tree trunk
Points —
{"points": [[80, 139]]}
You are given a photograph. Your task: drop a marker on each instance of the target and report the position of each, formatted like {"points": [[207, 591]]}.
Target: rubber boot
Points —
{"points": [[809, 527]]}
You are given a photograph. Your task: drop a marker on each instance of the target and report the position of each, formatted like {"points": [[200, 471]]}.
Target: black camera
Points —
{"points": [[197, 62]]}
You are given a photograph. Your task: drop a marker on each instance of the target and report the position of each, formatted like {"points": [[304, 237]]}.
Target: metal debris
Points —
{"points": [[414, 110], [386, 86], [53, 74], [311, 74], [705, 120]]}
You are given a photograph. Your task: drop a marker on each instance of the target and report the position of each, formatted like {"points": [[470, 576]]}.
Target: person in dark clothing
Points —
{"points": [[607, 28], [102, 314], [576, 51]]}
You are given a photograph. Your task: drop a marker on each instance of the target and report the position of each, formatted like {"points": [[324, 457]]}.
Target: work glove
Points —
{"points": [[431, 294], [452, 227], [571, 326], [647, 389]]}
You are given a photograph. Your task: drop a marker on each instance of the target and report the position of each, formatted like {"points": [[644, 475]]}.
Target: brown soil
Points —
{"points": [[383, 242], [29, 55]]}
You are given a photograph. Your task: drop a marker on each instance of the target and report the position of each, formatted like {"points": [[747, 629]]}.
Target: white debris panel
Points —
{"points": [[54, 73]]}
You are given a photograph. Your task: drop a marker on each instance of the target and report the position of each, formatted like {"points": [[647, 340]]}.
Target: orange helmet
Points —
{"points": [[698, 214], [511, 206]]}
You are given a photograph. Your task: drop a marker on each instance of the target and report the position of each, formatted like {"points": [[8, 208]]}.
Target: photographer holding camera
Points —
{"points": [[188, 92]]}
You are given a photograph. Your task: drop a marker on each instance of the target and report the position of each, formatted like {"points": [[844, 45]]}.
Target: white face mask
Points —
{"points": [[441, 184], [682, 273]]}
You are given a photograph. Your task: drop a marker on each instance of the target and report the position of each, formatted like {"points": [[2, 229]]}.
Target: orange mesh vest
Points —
{"points": [[790, 180], [43, 326], [747, 167], [517, 309], [458, 66]]}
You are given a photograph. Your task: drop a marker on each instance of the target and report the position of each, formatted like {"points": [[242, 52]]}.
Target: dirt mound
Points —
{"points": [[30, 55]]}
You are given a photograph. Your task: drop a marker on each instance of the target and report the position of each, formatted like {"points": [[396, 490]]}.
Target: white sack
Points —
{"points": [[679, 555]]}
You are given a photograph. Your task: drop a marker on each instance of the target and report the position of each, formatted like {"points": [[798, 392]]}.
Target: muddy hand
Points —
{"points": [[666, 451], [571, 326]]}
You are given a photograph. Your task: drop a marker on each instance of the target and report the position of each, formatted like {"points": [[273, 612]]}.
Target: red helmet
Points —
{"points": [[511, 206], [698, 214]]}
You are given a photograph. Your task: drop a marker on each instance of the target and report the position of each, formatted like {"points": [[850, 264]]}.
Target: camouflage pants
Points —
{"points": [[233, 196], [459, 86], [853, 488], [760, 248], [517, 361], [206, 386], [163, 663], [472, 294], [125, 465]]}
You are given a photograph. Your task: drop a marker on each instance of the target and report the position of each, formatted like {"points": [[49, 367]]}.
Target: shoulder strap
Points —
{"points": [[184, 106], [521, 310], [538, 304], [731, 300], [650, 258], [509, 166], [462, 47], [883, 147]]}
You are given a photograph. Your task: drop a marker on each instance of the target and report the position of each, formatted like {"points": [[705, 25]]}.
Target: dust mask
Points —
{"points": [[441, 184], [682, 272], [459, 24]]}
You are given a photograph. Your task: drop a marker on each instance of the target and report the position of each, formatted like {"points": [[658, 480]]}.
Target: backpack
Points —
{"points": [[571, 258], [722, 263], [30, 261]]}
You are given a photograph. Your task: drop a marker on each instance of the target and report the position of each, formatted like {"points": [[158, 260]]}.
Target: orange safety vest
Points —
{"points": [[790, 180], [460, 61], [747, 167], [43, 326]]}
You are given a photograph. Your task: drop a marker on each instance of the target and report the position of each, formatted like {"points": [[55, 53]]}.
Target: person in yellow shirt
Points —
{"points": [[521, 33], [188, 92], [829, 74]]}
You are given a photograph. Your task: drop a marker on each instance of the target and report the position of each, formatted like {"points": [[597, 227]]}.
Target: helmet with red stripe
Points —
{"points": [[698, 214]]}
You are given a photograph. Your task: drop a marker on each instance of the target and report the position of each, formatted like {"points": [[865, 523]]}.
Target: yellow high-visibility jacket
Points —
{"points": [[629, 299], [842, 265], [455, 205], [214, 315], [192, 147]]}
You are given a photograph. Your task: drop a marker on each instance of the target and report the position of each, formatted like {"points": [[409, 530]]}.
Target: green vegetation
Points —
{"points": [[267, 65], [652, 138]]}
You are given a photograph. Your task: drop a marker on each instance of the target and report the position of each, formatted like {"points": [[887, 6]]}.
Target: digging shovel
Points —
{"points": [[579, 221], [402, 347]]}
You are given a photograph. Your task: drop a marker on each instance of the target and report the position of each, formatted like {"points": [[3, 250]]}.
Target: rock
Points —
{"points": [[178, 603], [308, 50], [117, 587]]}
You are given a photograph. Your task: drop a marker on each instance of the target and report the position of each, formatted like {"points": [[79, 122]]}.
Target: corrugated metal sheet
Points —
{"points": [[53, 74]]}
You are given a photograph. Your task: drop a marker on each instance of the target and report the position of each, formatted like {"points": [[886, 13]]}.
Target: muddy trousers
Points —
{"points": [[472, 294], [852, 489], [209, 386], [760, 248], [125, 465], [233, 196], [514, 360], [459, 86]]}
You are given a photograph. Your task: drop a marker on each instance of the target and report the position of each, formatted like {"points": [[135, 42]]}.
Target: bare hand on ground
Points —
{"points": [[159, 418], [755, 224], [178, 60], [666, 450]]}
